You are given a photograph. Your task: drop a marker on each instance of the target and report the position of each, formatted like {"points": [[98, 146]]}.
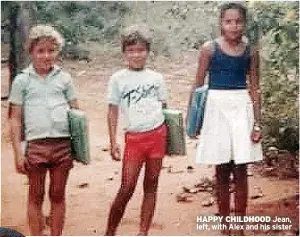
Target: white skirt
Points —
{"points": [[227, 127]]}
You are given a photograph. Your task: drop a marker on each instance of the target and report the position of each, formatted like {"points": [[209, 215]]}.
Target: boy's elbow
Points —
{"points": [[113, 108], [112, 111]]}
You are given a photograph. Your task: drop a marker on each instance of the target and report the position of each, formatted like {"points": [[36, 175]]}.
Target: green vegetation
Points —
{"points": [[79, 22], [279, 44]]}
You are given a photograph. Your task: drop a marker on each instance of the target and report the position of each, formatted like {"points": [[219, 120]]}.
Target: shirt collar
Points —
{"points": [[56, 69]]}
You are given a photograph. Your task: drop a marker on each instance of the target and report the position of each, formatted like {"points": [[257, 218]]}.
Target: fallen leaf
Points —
{"points": [[183, 197], [209, 202], [105, 149], [257, 193], [83, 185]]}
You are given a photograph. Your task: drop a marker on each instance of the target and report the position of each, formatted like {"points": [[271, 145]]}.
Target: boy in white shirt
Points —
{"points": [[141, 95]]}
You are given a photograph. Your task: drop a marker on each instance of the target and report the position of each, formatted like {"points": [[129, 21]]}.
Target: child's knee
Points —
{"points": [[223, 172], [150, 185], [57, 196], [222, 179], [150, 190], [127, 190], [240, 174], [36, 195], [36, 198]]}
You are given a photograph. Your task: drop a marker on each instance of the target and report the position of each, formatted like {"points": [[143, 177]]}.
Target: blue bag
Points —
{"points": [[196, 111]]}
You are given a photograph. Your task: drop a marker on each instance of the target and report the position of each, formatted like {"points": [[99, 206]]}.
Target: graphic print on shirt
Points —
{"points": [[141, 91], [143, 102]]}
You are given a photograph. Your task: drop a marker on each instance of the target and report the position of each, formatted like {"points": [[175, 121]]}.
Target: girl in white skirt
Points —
{"points": [[231, 129]]}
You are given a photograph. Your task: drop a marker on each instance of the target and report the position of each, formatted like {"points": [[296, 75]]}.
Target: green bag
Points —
{"points": [[176, 135], [79, 135]]}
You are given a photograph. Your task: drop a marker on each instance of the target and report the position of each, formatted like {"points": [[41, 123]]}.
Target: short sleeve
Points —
{"points": [[70, 89], [162, 91], [16, 93], [113, 92]]}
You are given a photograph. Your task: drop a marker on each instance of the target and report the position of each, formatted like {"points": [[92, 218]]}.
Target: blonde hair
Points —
{"points": [[134, 34], [39, 32]]}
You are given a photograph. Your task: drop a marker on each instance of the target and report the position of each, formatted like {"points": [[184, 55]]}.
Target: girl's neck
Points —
{"points": [[233, 48], [232, 43]]}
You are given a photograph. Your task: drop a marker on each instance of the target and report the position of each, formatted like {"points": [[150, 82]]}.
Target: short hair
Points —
{"points": [[39, 32], [136, 34], [233, 5]]}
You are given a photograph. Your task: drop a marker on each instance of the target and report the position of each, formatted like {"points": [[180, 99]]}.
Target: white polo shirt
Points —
{"points": [[45, 102]]}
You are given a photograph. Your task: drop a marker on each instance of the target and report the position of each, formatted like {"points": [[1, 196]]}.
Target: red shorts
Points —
{"points": [[146, 145], [42, 154]]}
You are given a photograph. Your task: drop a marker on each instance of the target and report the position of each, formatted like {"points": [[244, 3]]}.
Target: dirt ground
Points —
{"points": [[92, 188]]}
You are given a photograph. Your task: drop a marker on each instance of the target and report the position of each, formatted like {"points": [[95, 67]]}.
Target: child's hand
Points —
{"points": [[194, 137], [256, 136], [20, 165], [115, 152]]}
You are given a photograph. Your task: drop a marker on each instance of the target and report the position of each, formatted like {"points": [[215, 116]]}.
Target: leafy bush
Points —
{"points": [[78, 22], [278, 26]]}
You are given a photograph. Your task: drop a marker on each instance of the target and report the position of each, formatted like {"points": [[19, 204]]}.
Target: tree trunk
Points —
{"points": [[19, 27]]}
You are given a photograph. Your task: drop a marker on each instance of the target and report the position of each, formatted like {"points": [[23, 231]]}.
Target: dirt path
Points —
{"points": [[88, 207]]}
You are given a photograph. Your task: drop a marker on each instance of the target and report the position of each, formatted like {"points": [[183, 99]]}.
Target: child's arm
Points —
{"points": [[163, 94], [74, 104], [112, 119], [15, 122], [70, 92], [254, 83], [255, 92], [203, 64]]}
